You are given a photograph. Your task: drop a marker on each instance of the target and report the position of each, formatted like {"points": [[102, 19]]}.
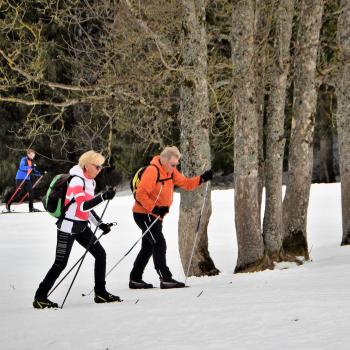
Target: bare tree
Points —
{"points": [[195, 147], [275, 140], [251, 253], [296, 200], [343, 115]]}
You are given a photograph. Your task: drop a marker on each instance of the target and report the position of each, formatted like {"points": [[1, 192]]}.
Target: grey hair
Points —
{"points": [[170, 151]]}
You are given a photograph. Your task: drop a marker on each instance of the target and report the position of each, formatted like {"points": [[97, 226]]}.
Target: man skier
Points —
{"points": [[153, 198], [27, 168]]}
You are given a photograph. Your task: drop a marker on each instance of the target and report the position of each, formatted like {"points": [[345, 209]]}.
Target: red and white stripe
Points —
{"points": [[76, 190]]}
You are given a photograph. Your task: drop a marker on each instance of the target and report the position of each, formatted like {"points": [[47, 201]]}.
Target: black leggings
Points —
{"points": [[64, 246], [153, 243]]}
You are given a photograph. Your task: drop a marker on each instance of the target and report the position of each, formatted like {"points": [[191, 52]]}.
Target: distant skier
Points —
{"points": [[153, 198], [27, 168], [75, 225]]}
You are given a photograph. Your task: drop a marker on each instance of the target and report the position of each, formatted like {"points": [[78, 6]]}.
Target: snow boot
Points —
{"points": [[139, 284], [34, 210], [42, 303], [103, 296], [167, 283]]}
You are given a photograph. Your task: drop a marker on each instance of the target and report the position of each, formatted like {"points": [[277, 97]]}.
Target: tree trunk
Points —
{"points": [[301, 143], [343, 115], [324, 125], [251, 255], [263, 15], [275, 140], [195, 148]]}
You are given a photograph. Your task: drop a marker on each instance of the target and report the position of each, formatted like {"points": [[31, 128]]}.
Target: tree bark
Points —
{"points": [[263, 15], [275, 140], [343, 116], [251, 255], [325, 100], [301, 143], [195, 147]]}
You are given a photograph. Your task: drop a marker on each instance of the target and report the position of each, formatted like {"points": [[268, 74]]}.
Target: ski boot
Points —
{"points": [[34, 210], [42, 303], [167, 283], [103, 296], [139, 284]]}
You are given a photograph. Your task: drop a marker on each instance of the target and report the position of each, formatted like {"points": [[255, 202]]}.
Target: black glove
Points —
{"points": [[33, 166], [161, 211], [109, 194], [206, 176], [106, 228]]}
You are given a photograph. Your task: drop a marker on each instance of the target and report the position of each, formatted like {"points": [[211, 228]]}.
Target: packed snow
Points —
{"points": [[292, 307]]}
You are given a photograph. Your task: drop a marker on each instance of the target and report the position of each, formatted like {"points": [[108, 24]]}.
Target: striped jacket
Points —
{"points": [[80, 212]]}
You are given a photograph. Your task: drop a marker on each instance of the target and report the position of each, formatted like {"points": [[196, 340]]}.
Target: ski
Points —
{"points": [[22, 212]]}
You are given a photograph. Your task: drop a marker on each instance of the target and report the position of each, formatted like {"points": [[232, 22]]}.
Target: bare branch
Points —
{"points": [[159, 42], [52, 85], [66, 103]]}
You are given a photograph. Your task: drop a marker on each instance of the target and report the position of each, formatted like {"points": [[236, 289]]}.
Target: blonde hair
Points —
{"points": [[30, 150], [91, 157], [170, 151]]}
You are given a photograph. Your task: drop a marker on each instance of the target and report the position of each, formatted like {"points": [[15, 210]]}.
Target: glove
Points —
{"points": [[105, 228], [206, 176], [109, 194], [33, 166], [161, 211]]}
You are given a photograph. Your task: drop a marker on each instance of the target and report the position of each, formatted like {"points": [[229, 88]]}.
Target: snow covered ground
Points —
{"points": [[304, 307]]}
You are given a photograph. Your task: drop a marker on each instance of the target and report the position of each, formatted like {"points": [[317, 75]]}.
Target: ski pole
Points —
{"points": [[126, 254], [17, 189], [83, 257], [197, 231], [26, 195]]}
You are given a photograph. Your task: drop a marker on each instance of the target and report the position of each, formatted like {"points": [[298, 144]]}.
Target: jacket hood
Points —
{"points": [[155, 161], [76, 170]]}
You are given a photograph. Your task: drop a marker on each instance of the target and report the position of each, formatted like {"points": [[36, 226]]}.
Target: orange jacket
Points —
{"points": [[151, 193]]}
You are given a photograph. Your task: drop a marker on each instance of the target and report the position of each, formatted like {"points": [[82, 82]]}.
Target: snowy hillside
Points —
{"points": [[300, 308]]}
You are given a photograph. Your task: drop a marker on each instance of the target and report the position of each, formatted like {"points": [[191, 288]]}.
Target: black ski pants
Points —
{"points": [[26, 187], [153, 244], [63, 248]]}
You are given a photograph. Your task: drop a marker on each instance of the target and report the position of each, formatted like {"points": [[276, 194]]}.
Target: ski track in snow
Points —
{"points": [[292, 307]]}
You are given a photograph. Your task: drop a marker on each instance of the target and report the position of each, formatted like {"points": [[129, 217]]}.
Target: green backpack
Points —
{"points": [[55, 196]]}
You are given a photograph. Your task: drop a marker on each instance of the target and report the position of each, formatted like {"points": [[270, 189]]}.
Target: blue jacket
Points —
{"points": [[24, 168]]}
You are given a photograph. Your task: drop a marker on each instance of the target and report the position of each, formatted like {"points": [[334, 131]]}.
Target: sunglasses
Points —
{"points": [[173, 165], [98, 167]]}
